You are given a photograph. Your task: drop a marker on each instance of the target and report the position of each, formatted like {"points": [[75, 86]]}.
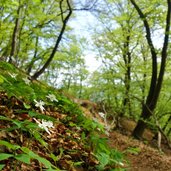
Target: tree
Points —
{"points": [[116, 45], [59, 38], [156, 79], [15, 33]]}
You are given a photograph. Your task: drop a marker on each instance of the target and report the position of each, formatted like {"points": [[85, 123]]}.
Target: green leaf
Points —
{"points": [[1, 79], [23, 158], [40, 116], [116, 156], [9, 145], [38, 138], [30, 125], [78, 163], [43, 161], [57, 158], [2, 166], [103, 158], [4, 118], [103, 148], [17, 123], [26, 106], [37, 157], [4, 156]]}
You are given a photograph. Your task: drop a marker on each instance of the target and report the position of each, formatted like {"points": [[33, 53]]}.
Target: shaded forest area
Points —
{"points": [[132, 42]]}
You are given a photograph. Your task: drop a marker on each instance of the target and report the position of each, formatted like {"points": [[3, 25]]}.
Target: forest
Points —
{"points": [[59, 113]]}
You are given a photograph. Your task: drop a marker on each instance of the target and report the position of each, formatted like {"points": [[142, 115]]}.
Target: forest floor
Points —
{"points": [[25, 146], [140, 155], [144, 157]]}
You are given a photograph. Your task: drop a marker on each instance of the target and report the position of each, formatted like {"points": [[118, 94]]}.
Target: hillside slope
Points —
{"points": [[40, 129], [141, 156]]}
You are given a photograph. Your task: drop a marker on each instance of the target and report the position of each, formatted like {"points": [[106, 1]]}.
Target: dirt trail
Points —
{"points": [[145, 158]]}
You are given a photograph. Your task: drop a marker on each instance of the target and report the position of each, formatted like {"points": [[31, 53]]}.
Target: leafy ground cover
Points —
{"points": [[40, 129]]}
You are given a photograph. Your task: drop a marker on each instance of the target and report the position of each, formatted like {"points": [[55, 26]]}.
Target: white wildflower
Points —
{"points": [[26, 80], [52, 97], [102, 114], [121, 164], [45, 125], [40, 105], [12, 75]]}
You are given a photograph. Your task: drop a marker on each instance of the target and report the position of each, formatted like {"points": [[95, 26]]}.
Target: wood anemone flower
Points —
{"points": [[52, 97], [45, 125], [40, 105]]}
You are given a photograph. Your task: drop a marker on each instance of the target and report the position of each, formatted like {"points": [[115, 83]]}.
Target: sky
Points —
{"points": [[81, 25]]}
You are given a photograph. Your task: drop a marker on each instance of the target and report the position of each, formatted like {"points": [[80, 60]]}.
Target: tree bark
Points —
{"points": [[64, 20], [30, 66], [127, 60], [156, 83], [15, 35], [167, 123]]}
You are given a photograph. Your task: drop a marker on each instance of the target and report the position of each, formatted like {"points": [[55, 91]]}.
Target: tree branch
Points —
{"points": [[47, 63]]}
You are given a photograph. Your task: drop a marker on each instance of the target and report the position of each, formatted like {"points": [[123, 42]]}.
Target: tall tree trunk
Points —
{"points": [[127, 61], [143, 51], [23, 15], [156, 83], [30, 66], [81, 87], [64, 20], [15, 35], [167, 123], [168, 134]]}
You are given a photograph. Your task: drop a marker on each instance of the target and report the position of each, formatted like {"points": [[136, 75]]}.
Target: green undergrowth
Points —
{"points": [[67, 140]]}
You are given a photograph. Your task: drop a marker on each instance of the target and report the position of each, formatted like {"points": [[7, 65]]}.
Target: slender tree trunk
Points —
{"points": [[81, 86], [156, 83], [144, 75], [64, 20], [69, 83], [127, 60], [168, 134], [23, 15], [30, 66], [15, 35], [166, 124]]}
